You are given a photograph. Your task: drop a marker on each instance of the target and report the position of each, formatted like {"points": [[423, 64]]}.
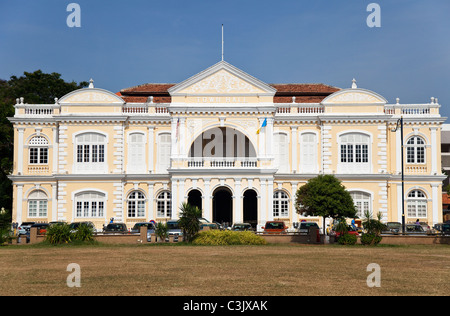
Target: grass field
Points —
{"points": [[273, 270]]}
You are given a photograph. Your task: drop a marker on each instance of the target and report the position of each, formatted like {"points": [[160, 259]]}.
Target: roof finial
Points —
{"points": [[91, 83], [354, 86]]}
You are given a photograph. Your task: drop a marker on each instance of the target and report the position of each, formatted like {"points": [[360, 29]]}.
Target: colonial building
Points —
{"points": [[223, 140]]}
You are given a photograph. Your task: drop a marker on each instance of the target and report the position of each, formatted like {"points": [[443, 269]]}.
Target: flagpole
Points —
{"points": [[222, 42]]}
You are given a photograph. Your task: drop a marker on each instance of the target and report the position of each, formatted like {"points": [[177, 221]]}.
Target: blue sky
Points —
{"points": [[125, 43]]}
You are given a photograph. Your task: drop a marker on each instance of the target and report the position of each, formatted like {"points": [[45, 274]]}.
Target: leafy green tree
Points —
{"points": [[325, 196], [189, 220], [36, 88]]}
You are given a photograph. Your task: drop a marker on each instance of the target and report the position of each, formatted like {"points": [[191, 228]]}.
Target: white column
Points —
{"points": [[262, 216], [54, 202], [21, 153], [294, 211], [434, 151], [150, 202], [269, 137], [435, 205], [174, 193], [294, 148], [19, 203], [398, 152], [270, 199], [237, 216], [262, 136], [174, 152], [151, 147], [207, 201], [55, 150], [399, 202], [182, 137], [181, 196]]}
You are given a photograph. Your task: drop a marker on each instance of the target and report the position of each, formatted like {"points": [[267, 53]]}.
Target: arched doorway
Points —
{"points": [[223, 206], [195, 198], [251, 207]]}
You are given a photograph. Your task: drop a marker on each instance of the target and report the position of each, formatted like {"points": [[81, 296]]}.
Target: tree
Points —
{"points": [[325, 196], [189, 220], [36, 88]]}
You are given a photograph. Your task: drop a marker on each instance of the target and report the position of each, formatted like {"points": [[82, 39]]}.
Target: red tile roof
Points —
{"points": [[303, 92]]}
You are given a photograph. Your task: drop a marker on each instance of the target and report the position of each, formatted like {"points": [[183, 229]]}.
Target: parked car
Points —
{"points": [[41, 228], [24, 228], [205, 223], [442, 228], [393, 228], [350, 230], [137, 227], [241, 227], [116, 228], [173, 229], [275, 227], [414, 229], [74, 226], [305, 226], [424, 225]]}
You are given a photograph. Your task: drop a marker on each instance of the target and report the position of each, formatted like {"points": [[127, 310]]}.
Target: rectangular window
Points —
{"points": [[94, 153], [86, 153], [43, 157], [365, 153], [86, 209], [343, 153], [79, 209], [94, 209], [349, 153], [42, 208], [80, 153], [100, 208], [32, 208], [358, 153], [101, 153]]}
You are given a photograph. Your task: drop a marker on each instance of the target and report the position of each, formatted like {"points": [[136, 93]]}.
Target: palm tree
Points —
{"points": [[189, 220], [373, 228]]}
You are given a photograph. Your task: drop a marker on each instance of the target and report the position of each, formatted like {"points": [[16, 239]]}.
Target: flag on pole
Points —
{"points": [[263, 125]]}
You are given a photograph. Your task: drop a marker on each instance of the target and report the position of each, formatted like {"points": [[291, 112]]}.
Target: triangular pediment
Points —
{"points": [[354, 96], [222, 79], [91, 96]]}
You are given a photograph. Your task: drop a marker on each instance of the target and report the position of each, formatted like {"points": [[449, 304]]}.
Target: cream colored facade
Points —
{"points": [[92, 156]]}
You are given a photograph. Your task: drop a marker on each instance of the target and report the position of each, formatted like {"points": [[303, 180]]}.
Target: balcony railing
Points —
{"points": [[299, 108], [222, 162]]}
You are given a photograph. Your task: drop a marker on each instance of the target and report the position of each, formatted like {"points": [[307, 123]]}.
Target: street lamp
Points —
{"points": [[400, 123]]}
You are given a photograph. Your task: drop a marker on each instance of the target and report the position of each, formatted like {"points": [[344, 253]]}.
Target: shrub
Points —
{"points": [[84, 233], [370, 239], [226, 237], [347, 239], [161, 230], [59, 234]]}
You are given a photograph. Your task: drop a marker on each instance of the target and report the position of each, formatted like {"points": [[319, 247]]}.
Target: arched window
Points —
{"points": [[136, 153], [37, 204], [354, 153], [90, 204], [164, 204], [38, 148], [362, 201], [417, 204], [281, 152], [90, 152], [280, 204], [136, 204], [415, 150]]}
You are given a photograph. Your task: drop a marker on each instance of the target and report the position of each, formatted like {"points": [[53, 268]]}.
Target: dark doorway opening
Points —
{"points": [[223, 206], [251, 207], [195, 198]]}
